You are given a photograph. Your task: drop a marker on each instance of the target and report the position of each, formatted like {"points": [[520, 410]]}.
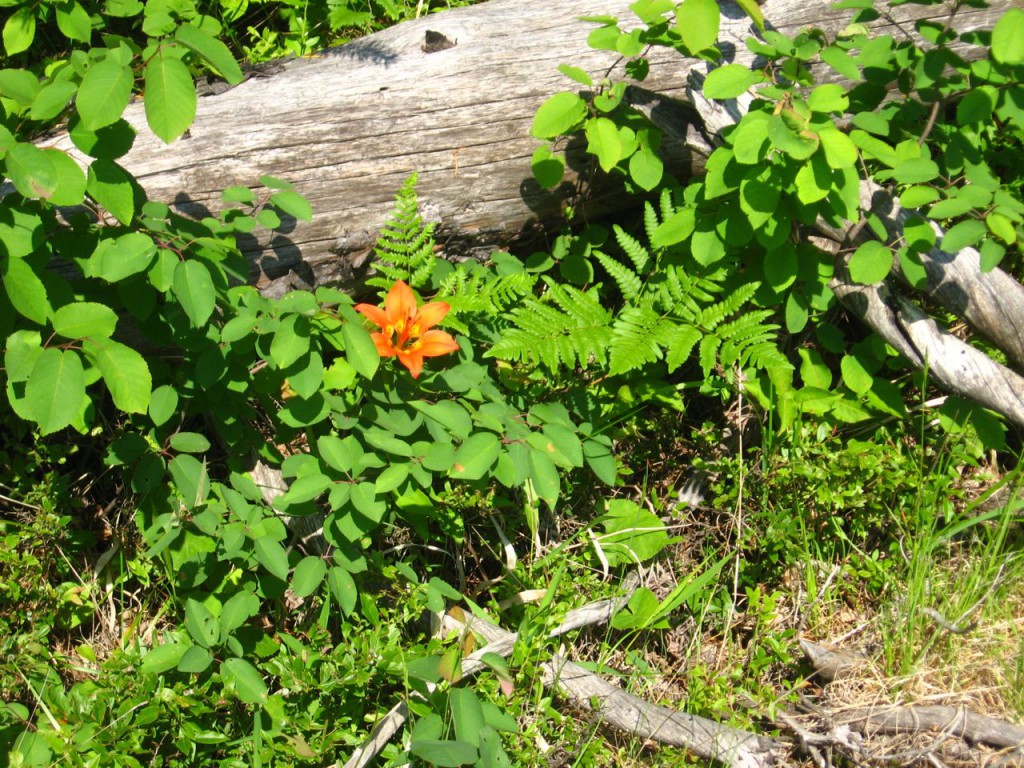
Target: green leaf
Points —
{"points": [[841, 61], [476, 455], [25, 289], [753, 10], [870, 263], [675, 229], [445, 753], [70, 189], [163, 657], [104, 93], [290, 342], [343, 588], [749, 139], [561, 113], [918, 196], [212, 51], [977, 106], [603, 140], [170, 98], [781, 267], [52, 99], [303, 489], [55, 390], [799, 146], [191, 479], [271, 555], [963, 235], [840, 152], [244, 678], [85, 319], [360, 351], [1008, 38], [117, 258], [577, 74], [112, 186], [632, 534], [20, 30], [548, 168], [189, 442], [293, 204], [730, 81], [467, 715], [544, 476], [813, 180], [855, 375], [163, 404], [916, 170], [20, 85], [1001, 227], [201, 623], [193, 287], [73, 21], [828, 98], [697, 22], [31, 170], [309, 575], [236, 611], [646, 168], [195, 660]]}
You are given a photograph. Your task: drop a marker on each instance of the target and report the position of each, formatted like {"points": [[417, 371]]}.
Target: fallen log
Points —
{"points": [[348, 126]]}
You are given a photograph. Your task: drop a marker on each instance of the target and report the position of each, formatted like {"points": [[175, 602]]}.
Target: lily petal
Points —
{"points": [[411, 360], [384, 346], [375, 315], [434, 343], [430, 315], [400, 304]]}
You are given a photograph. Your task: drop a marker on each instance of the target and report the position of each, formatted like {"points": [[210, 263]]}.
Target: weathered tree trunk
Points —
{"points": [[348, 126]]}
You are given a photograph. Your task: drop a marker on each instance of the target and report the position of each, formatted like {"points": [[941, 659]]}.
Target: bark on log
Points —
{"points": [[348, 126]]}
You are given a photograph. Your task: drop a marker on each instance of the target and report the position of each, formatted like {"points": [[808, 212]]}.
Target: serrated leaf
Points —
{"points": [[840, 151], [170, 97], [646, 168], [193, 287], [104, 93], [55, 390], [828, 98]]}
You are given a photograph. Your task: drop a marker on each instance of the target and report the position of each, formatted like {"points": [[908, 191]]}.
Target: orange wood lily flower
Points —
{"points": [[405, 328]]}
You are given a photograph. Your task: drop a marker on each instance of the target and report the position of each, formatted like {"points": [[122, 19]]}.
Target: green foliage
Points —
{"points": [[405, 246]]}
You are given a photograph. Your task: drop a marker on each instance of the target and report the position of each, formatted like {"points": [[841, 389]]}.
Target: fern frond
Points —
{"points": [[629, 284], [634, 249], [712, 316], [638, 335], [668, 208], [680, 344], [707, 353], [564, 328], [651, 222], [405, 245]]}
